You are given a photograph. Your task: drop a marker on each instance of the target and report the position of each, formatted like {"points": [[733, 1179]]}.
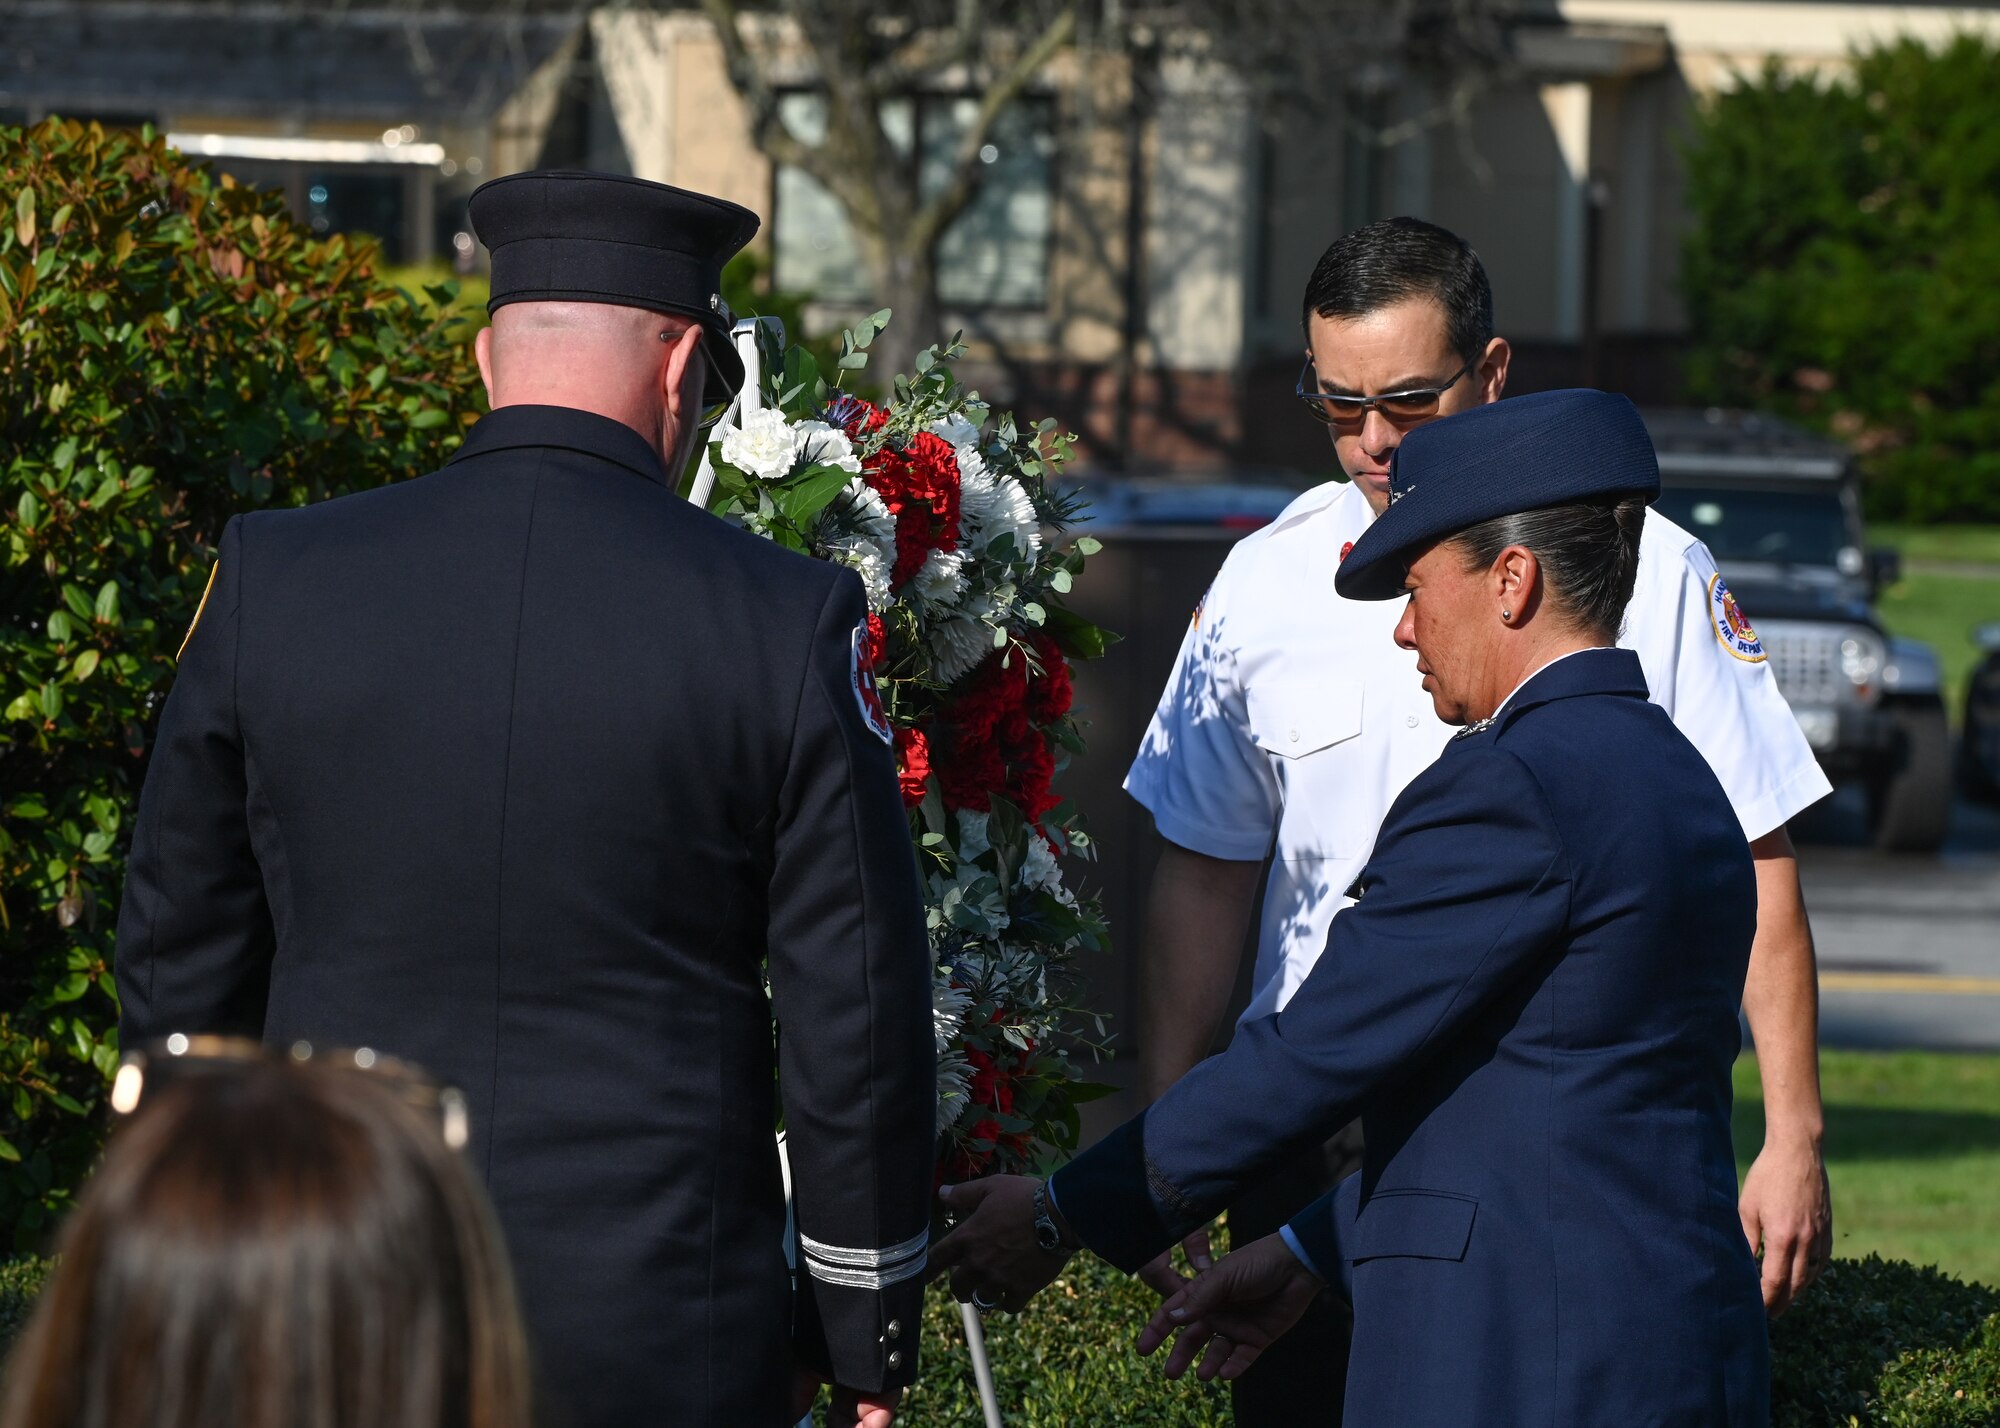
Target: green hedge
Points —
{"points": [[1883, 1344], [173, 350], [1876, 1344]]}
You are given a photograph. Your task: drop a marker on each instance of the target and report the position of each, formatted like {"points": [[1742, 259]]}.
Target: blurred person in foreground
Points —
{"points": [[532, 772], [1531, 1005], [275, 1245], [1292, 720]]}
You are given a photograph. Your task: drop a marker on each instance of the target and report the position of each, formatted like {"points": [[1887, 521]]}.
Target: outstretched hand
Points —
{"points": [[991, 1254], [1235, 1311]]}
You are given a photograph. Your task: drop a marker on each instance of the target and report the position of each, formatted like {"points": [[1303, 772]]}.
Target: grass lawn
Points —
{"points": [[1913, 1151], [1942, 608], [1960, 544]]}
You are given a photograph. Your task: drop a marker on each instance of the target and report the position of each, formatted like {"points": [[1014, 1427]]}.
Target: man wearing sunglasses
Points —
{"points": [[1292, 721]]}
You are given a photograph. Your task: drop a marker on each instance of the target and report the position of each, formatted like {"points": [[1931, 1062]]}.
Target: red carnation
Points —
{"points": [[971, 776], [919, 486], [1051, 693], [913, 764], [875, 644], [1033, 791], [990, 743]]}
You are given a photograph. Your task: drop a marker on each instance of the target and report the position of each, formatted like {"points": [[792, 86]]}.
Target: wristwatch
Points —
{"points": [[1047, 1233]]}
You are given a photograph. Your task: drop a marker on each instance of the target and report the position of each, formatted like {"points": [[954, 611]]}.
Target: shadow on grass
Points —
{"points": [[1882, 1132]]}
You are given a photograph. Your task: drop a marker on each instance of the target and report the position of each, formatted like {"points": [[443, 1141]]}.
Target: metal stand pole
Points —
{"points": [[749, 399], [982, 1371]]}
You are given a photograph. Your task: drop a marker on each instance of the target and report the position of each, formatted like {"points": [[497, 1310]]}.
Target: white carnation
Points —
{"points": [[1041, 871], [991, 506], [817, 444], [861, 557], [760, 445], [973, 841], [940, 580]]}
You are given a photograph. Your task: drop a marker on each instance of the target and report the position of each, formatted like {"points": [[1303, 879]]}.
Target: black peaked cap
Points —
{"points": [[562, 236], [1522, 454]]}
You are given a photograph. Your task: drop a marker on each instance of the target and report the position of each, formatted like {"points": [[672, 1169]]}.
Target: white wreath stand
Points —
{"points": [[749, 399]]}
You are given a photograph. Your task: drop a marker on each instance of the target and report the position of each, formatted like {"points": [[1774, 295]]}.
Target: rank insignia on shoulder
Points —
{"points": [[1732, 626], [868, 698], [195, 623], [1194, 623]]}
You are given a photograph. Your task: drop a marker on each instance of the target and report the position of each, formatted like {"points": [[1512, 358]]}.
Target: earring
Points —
{"points": [[1507, 614]]}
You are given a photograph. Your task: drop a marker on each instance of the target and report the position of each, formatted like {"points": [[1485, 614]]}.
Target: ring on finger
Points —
{"points": [[982, 1303]]}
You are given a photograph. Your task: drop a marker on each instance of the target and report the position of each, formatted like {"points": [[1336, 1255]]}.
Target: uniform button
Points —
{"points": [[1295, 736], [895, 1358], [1411, 720], [895, 1329]]}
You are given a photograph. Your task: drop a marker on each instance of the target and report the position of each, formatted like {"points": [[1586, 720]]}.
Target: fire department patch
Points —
{"points": [[866, 696], [1732, 626]]}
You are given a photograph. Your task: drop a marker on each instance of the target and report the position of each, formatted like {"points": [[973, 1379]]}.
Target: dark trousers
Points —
{"points": [[1301, 1379]]}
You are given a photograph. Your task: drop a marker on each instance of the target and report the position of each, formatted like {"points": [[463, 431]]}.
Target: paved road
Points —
{"points": [[1909, 947]]}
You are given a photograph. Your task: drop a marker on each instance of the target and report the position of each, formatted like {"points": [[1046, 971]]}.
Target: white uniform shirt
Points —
{"points": [[1292, 721]]}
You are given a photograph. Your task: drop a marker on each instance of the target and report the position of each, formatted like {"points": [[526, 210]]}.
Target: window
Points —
{"points": [[994, 255]]}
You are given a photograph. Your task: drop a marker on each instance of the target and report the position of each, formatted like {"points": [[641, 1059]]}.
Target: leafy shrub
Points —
{"points": [[1067, 1361], [1875, 1344], [1839, 265], [1881, 1342], [173, 350], [21, 1281]]}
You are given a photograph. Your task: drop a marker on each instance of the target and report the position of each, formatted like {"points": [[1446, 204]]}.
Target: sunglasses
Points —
{"points": [[1348, 412], [180, 1057]]}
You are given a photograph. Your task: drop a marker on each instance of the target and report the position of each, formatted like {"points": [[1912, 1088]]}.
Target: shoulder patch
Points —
{"points": [[867, 697], [1732, 626], [196, 622]]}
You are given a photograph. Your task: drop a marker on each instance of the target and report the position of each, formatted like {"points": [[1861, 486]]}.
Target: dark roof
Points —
{"points": [[1693, 441], [321, 62]]}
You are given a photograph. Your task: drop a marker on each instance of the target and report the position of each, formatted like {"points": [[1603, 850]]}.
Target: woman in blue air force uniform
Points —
{"points": [[1532, 1007]]}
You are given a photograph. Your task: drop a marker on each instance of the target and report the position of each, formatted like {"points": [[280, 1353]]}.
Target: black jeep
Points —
{"points": [[1779, 509]]}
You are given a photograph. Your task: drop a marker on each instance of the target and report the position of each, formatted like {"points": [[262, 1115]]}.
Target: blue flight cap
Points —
{"points": [[560, 236], [1522, 454]]}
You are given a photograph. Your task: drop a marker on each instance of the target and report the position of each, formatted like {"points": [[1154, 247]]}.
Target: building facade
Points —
{"points": [[1134, 259]]}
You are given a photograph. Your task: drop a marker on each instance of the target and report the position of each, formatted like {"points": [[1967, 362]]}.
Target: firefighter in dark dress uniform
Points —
{"points": [[531, 772]]}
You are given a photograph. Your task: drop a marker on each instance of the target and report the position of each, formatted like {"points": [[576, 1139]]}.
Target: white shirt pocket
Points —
{"points": [[1294, 718], [1313, 728]]}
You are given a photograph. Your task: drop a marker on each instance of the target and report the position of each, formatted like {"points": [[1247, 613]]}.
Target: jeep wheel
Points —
{"points": [[1909, 811]]}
